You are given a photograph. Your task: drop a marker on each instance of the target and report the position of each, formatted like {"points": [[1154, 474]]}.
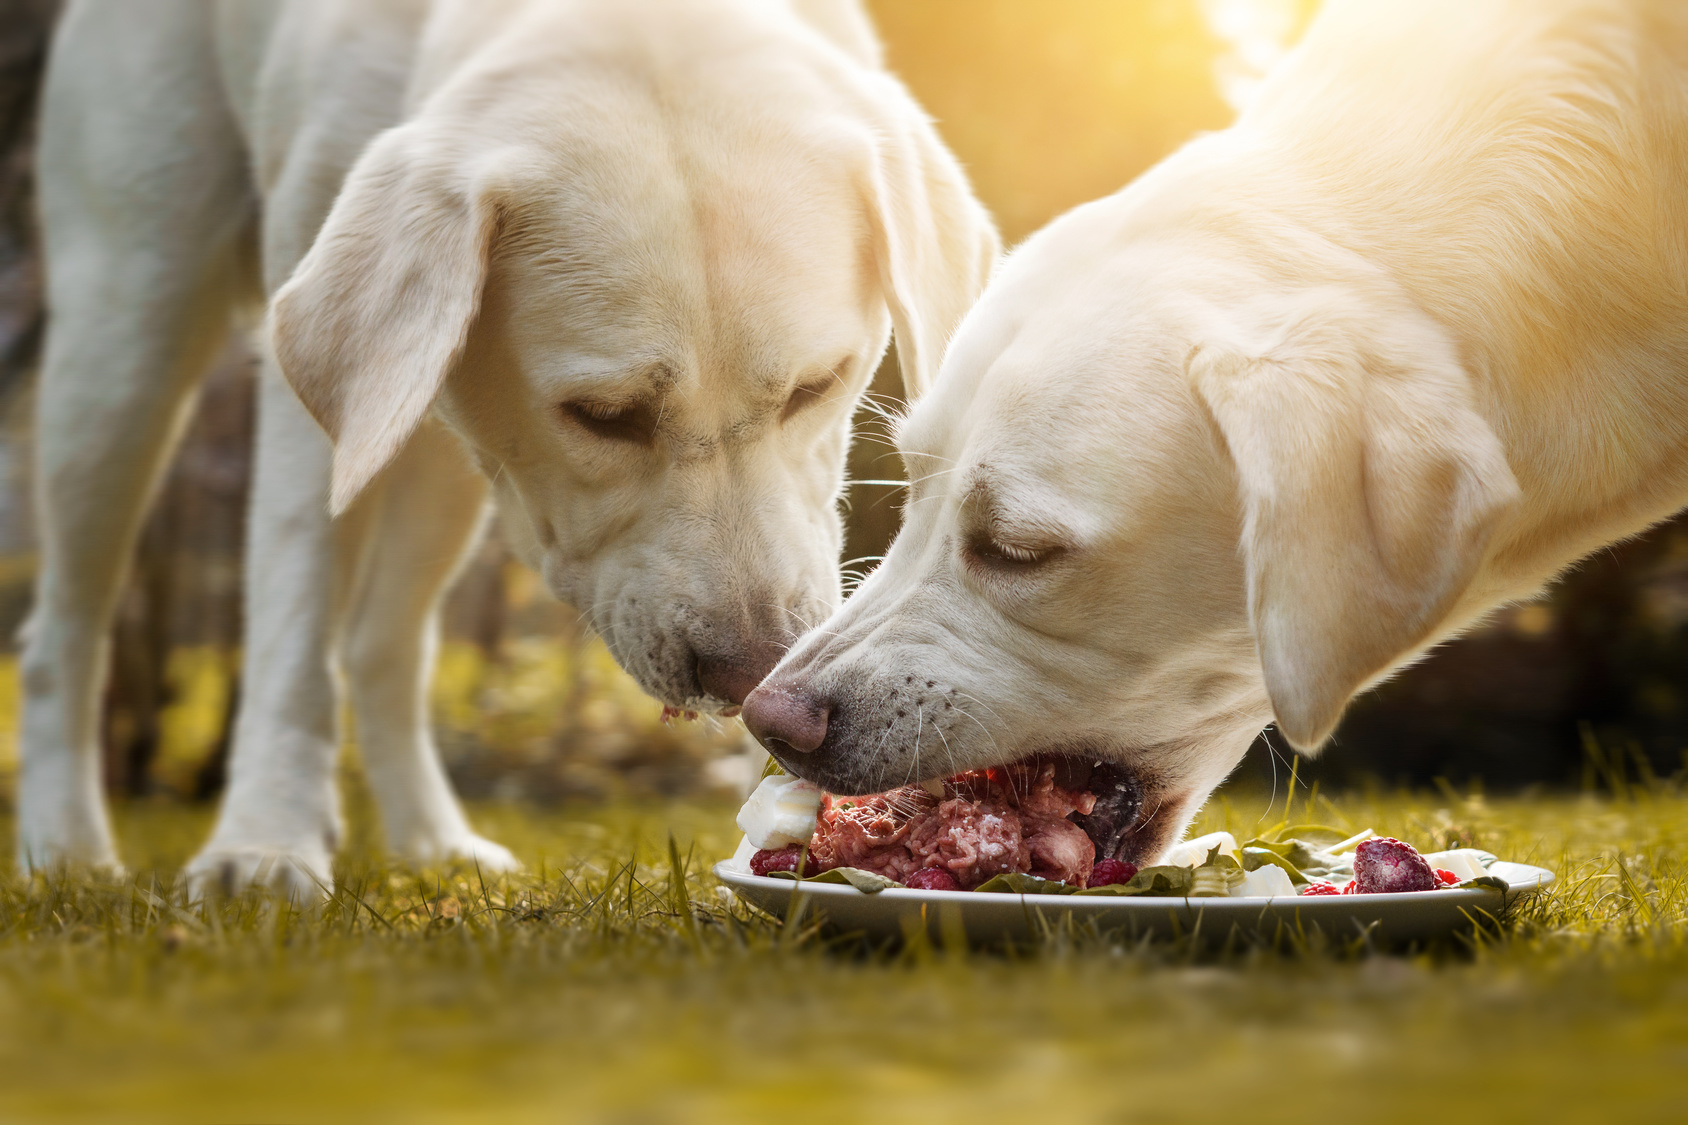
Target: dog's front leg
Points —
{"points": [[425, 511], [280, 819]]}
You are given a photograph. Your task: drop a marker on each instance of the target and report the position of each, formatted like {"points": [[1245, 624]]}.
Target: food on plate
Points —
{"points": [[932, 879], [1039, 827], [1385, 865], [783, 859], [1110, 873], [781, 812], [981, 824], [1190, 853], [1266, 881], [1462, 863]]}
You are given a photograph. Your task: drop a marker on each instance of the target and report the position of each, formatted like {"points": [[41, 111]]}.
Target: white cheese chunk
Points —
{"points": [[1266, 881], [780, 812], [1467, 863], [741, 858], [1193, 853]]}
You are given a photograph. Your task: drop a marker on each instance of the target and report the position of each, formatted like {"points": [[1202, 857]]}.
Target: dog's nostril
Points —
{"points": [[782, 715]]}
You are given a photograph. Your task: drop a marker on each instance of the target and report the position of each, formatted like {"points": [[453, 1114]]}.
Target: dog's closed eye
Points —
{"points": [[805, 396], [985, 549], [628, 422]]}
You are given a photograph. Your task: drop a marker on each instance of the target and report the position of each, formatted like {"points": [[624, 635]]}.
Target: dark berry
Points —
{"points": [[782, 859], [1320, 888], [932, 879], [1387, 866], [1110, 872], [1446, 878]]}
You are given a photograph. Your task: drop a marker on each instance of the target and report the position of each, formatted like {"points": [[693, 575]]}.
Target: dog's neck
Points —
{"points": [[1541, 221]]}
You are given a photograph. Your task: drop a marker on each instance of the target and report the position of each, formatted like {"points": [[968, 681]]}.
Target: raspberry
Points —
{"points": [[932, 879], [1385, 866], [1351, 888], [1109, 872], [1320, 888], [1446, 878], [783, 859]]}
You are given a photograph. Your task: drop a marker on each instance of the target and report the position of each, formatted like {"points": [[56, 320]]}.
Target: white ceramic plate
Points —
{"points": [[1390, 918]]}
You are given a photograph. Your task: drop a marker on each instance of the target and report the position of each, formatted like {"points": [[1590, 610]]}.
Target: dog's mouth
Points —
{"points": [[1120, 802], [1114, 805]]}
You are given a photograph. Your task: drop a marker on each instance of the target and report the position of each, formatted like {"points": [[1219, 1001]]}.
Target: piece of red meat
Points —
{"points": [[868, 832], [988, 823], [1060, 850], [932, 879], [973, 840]]}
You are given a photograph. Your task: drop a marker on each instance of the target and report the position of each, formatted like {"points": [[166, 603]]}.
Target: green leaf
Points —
{"points": [[1166, 881], [1216, 877], [1015, 883], [1256, 857], [1306, 859], [864, 881], [1487, 882]]}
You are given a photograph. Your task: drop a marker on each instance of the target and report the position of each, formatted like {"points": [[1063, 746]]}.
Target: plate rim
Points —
{"points": [[1536, 879]]}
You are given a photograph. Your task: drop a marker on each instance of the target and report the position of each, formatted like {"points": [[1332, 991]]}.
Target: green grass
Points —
{"points": [[589, 989]]}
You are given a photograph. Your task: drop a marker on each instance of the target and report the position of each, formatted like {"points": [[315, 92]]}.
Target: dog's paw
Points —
{"points": [[468, 850], [43, 851], [303, 875], [47, 864]]}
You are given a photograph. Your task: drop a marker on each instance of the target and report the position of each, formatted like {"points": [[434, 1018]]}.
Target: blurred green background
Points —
{"points": [[1048, 105]]}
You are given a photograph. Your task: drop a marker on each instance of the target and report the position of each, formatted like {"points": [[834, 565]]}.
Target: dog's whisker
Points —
{"points": [[914, 758], [948, 754], [988, 708], [986, 730]]}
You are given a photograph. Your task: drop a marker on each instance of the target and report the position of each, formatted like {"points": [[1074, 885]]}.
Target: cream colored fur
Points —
{"points": [[1313, 395], [632, 262]]}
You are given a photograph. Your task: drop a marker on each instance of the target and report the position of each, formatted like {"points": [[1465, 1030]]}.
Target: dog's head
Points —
{"points": [[1167, 489], [646, 274]]}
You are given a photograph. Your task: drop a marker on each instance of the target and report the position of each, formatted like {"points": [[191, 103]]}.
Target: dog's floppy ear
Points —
{"points": [[1371, 488], [935, 244], [375, 316]]}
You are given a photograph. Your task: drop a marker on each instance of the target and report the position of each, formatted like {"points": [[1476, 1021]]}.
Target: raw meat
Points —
{"points": [[986, 823]]}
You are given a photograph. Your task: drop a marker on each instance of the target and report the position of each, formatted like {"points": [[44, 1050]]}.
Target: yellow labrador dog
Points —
{"points": [[632, 263], [1313, 395]]}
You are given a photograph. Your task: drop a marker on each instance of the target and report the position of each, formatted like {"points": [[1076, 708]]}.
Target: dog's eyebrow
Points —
{"points": [[612, 377], [981, 498], [990, 506], [981, 487]]}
